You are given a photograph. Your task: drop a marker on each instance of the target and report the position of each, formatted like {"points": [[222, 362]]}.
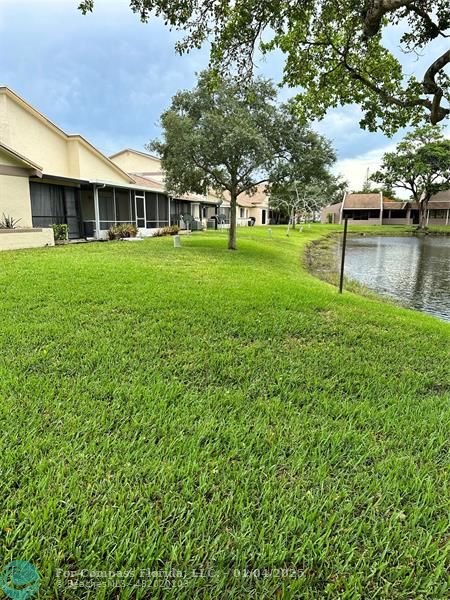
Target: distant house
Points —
{"points": [[252, 209], [374, 209], [147, 170]]}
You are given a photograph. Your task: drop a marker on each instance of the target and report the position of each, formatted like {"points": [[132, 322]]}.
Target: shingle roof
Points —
{"points": [[435, 204], [247, 200], [441, 197], [392, 205], [147, 182], [362, 201], [156, 186]]}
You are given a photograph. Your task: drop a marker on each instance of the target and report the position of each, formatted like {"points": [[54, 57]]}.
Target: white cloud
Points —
{"points": [[355, 169]]}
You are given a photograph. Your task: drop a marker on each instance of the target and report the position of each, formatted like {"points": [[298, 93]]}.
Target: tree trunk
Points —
{"points": [[232, 230], [294, 218], [422, 205]]}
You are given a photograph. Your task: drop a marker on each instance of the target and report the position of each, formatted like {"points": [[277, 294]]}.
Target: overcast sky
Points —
{"points": [[108, 77]]}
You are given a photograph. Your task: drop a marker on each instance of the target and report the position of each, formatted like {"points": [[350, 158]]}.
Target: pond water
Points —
{"points": [[414, 270]]}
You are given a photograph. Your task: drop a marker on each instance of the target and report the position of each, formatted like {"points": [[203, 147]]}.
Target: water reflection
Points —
{"points": [[411, 269]]}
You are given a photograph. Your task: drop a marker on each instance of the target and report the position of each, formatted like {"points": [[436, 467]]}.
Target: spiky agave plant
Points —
{"points": [[8, 222]]}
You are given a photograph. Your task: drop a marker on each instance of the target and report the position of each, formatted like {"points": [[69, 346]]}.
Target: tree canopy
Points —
{"points": [[420, 164], [219, 136], [335, 50], [230, 138]]}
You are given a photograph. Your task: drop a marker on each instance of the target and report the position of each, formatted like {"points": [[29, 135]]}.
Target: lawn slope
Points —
{"points": [[203, 409]]}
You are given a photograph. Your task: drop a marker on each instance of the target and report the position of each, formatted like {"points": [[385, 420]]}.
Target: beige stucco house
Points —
{"points": [[146, 169], [252, 208], [49, 176]]}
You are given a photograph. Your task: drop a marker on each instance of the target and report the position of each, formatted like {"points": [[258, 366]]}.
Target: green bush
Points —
{"points": [[60, 232], [124, 230], [170, 230]]}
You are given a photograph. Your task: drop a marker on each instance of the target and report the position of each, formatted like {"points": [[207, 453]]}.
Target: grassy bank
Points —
{"points": [[200, 409]]}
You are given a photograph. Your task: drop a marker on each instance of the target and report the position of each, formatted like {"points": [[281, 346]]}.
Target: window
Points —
{"points": [[242, 213], [361, 215], [397, 214], [438, 214]]}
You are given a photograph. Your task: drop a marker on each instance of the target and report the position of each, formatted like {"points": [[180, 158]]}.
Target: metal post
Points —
{"points": [[344, 245]]}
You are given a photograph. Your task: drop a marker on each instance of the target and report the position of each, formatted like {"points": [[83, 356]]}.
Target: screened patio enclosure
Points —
{"points": [[89, 209], [55, 205], [103, 206]]}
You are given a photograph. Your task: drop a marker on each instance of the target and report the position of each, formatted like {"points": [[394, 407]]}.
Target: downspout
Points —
{"points": [[381, 208]]}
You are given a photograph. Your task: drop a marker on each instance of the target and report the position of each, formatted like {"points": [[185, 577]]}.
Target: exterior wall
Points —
{"points": [[15, 239], [15, 193], [92, 168], [43, 143], [257, 214], [364, 222], [334, 210], [33, 138], [136, 163], [438, 222]]}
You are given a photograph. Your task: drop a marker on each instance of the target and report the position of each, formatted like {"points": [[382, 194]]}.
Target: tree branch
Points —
{"points": [[249, 187], [375, 12], [431, 87]]}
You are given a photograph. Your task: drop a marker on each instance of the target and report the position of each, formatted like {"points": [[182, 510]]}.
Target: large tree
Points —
{"points": [[220, 135], [335, 50], [300, 173], [420, 164], [301, 154]]}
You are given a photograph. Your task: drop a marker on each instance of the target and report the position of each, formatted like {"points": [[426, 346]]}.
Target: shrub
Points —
{"points": [[124, 230], [7, 222], [128, 230], [170, 230], [60, 232]]}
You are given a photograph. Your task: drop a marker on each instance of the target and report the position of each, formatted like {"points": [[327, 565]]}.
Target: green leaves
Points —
{"points": [[218, 135], [334, 50], [420, 164]]}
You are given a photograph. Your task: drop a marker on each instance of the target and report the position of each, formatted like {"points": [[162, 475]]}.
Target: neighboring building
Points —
{"points": [[48, 176], [373, 209], [252, 209], [146, 170]]}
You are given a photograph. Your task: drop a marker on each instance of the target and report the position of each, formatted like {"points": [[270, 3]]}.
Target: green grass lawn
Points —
{"points": [[201, 409]]}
